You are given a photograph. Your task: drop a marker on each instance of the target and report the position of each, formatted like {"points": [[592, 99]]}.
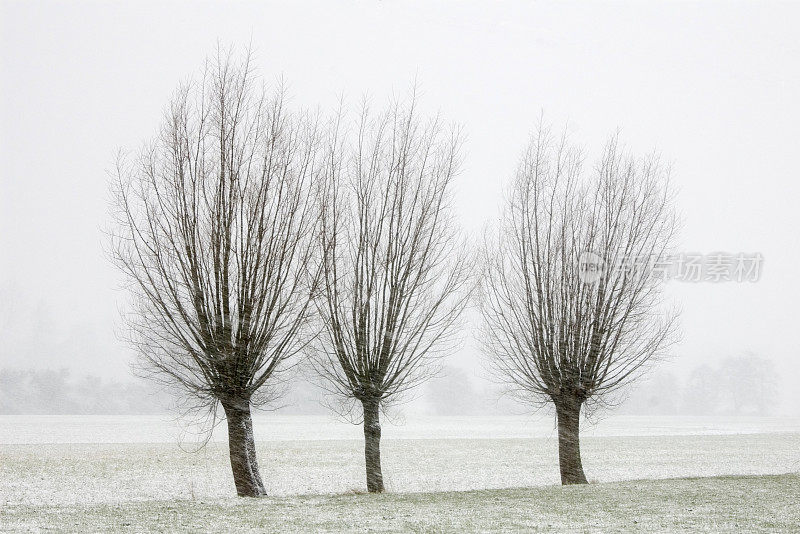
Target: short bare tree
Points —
{"points": [[571, 300], [215, 234], [748, 384], [394, 276]]}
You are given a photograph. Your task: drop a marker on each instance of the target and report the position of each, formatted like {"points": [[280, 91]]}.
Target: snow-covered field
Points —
{"points": [[729, 504], [141, 474], [84, 459], [267, 427]]}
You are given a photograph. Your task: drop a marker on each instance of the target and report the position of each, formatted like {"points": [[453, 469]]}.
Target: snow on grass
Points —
{"points": [[316, 480], [735, 504], [71, 474]]}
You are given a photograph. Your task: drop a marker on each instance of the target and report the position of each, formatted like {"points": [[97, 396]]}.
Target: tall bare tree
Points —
{"points": [[215, 234], [394, 272], [571, 302]]}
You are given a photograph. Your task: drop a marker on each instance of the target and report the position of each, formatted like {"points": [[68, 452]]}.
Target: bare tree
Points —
{"points": [[394, 273], [215, 234], [453, 393], [571, 305], [703, 392], [748, 384]]}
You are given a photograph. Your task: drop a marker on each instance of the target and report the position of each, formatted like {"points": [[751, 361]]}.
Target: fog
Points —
{"points": [[715, 92]]}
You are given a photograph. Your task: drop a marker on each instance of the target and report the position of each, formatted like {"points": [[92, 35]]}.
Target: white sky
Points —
{"points": [[713, 86]]}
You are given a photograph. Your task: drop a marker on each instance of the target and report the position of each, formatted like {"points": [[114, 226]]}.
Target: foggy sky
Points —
{"points": [[713, 87]]}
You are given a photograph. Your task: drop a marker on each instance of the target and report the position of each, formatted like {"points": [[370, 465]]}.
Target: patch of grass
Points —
{"points": [[766, 503]]}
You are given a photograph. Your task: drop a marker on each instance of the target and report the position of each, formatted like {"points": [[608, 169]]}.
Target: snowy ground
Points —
{"points": [[94, 465], [736, 504], [119, 459]]}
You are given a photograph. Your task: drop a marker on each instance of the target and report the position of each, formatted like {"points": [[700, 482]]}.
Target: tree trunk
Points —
{"points": [[568, 412], [243, 449], [372, 445]]}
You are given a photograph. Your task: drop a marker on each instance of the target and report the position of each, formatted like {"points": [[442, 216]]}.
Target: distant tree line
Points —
{"points": [[62, 392], [50, 392], [738, 385]]}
